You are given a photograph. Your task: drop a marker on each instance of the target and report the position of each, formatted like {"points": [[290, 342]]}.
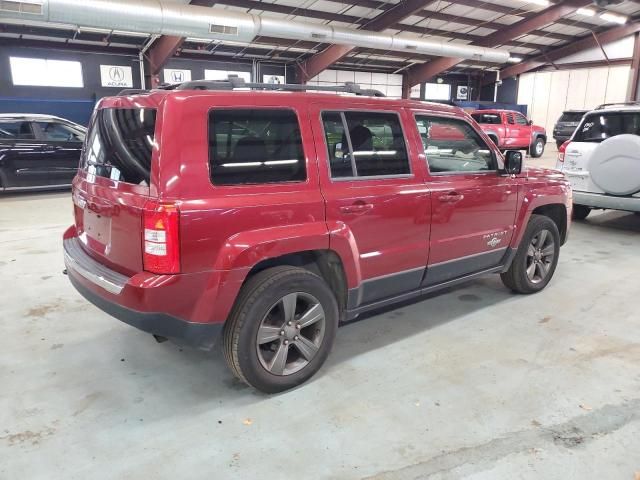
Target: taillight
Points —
{"points": [[161, 252], [562, 150]]}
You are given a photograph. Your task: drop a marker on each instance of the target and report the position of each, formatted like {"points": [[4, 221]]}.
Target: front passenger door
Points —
{"points": [[62, 145], [473, 205]]}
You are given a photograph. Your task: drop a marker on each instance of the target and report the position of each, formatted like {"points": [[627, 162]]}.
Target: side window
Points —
{"points": [[253, 146], [16, 130], [452, 145], [365, 144], [520, 120], [57, 132], [510, 120]]}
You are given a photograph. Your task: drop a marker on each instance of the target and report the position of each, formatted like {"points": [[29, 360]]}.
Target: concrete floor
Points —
{"points": [[474, 383]]}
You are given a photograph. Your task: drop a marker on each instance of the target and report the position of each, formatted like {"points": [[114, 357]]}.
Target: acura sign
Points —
{"points": [[116, 76]]}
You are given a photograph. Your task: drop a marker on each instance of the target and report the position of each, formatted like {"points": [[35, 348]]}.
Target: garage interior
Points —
{"points": [[471, 382]]}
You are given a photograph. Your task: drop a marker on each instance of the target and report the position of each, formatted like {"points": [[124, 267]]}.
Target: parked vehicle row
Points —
{"points": [[267, 218], [38, 151]]}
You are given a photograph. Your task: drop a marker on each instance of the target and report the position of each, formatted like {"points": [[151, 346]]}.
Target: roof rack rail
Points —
{"points": [[234, 82], [614, 104]]}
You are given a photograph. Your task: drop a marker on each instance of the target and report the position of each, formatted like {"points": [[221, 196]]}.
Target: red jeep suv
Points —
{"points": [[267, 218]]}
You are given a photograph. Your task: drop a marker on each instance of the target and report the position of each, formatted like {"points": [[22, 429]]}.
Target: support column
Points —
{"points": [[633, 94]]}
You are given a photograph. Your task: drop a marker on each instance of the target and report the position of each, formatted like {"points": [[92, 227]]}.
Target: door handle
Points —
{"points": [[357, 208], [451, 197]]}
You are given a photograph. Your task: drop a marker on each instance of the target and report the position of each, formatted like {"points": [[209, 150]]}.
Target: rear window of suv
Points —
{"points": [[571, 117], [597, 127], [254, 146], [120, 143]]}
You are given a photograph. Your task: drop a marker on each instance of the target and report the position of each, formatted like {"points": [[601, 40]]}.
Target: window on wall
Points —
{"points": [[255, 146], [40, 72], [437, 91], [365, 144], [452, 145]]}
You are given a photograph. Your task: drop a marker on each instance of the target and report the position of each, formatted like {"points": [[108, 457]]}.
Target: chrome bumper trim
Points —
{"points": [[79, 262]]}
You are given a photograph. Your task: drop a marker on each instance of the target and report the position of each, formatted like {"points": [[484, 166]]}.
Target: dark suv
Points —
{"points": [[566, 125], [38, 151], [271, 217]]}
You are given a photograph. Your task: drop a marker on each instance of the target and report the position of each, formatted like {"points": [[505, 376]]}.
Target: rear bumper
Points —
{"points": [[188, 308], [599, 200], [199, 335]]}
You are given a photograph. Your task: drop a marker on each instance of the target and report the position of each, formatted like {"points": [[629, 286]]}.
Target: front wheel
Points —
{"points": [[281, 329], [537, 148], [537, 257]]}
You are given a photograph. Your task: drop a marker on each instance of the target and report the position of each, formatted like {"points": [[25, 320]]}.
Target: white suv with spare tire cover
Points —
{"points": [[602, 160]]}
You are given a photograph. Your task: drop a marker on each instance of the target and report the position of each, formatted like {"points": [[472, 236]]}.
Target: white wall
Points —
{"points": [[549, 93], [388, 83]]}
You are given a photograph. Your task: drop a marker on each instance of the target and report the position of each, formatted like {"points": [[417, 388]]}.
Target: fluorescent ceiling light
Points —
{"points": [[612, 17], [514, 59], [544, 3], [587, 12]]}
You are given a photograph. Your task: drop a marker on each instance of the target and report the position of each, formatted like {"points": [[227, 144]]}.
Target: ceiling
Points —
{"points": [[462, 21]]}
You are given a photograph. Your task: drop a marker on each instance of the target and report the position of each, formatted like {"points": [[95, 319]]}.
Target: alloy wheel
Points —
{"points": [[290, 334], [540, 256]]}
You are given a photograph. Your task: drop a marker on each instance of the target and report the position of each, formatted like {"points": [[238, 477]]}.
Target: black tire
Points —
{"points": [[516, 278], [580, 212], [537, 147], [257, 298]]}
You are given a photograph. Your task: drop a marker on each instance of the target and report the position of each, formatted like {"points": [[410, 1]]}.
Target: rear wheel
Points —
{"points": [[537, 147], [537, 257], [282, 328], [580, 212]]}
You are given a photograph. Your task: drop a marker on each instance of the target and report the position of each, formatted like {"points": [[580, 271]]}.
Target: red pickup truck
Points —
{"points": [[267, 218], [510, 130]]}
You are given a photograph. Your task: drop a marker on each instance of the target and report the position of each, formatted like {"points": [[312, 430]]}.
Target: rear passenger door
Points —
{"points": [[375, 197], [474, 205]]}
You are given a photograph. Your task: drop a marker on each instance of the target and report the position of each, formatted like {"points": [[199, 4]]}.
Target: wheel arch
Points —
{"points": [[558, 213], [327, 264]]}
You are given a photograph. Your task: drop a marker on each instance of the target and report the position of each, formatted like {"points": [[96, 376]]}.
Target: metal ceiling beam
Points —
{"points": [[497, 8], [323, 60], [580, 45], [362, 22], [424, 72]]}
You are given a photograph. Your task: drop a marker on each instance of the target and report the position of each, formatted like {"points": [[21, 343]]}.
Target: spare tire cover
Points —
{"points": [[615, 165]]}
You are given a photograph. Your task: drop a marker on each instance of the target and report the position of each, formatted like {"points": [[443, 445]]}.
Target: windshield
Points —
{"points": [[571, 117], [490, 118], [597, 127], [119, 144]]}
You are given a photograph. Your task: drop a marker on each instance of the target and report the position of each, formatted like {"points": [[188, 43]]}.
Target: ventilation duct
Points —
{"points": [[184, 20]]}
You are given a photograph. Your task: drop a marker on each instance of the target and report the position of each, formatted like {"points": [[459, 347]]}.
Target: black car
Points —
{"points": [[38, 151], [566, 125]]}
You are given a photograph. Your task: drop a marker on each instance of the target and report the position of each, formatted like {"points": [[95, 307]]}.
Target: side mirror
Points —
{"points": [[530, 122], [513, 162]]}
